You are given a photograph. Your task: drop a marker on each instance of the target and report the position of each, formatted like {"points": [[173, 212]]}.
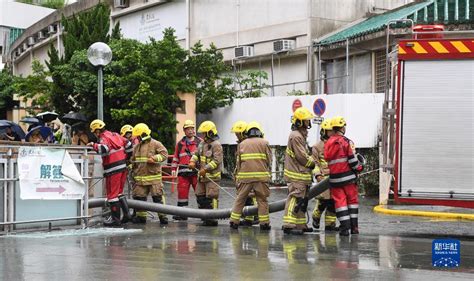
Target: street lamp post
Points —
{"points": [[100, 54]]}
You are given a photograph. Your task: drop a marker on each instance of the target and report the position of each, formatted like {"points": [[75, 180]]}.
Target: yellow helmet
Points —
{"points": [[239, 127], [126, 129], [253, 125], [97, 124], [141, 130], [188, 124], [301, 114], [326, 125], [338, 121], [208, 128]]}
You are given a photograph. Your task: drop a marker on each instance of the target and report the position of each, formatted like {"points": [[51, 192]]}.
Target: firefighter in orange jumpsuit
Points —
{"points": [[183, 152], [253, 165], [114, 150], [298, 166], [343, 169]]}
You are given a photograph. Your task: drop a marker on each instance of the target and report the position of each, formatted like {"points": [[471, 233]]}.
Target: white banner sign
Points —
{"points": [[48, 174]]}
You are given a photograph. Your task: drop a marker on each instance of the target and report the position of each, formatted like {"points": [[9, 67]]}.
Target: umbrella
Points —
{"points": [[74, 117], [46, 133], [31, 120], [17, 131], [47, 116]]}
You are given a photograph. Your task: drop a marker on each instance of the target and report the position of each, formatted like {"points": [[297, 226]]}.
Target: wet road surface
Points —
{"points": [[388, 248]]}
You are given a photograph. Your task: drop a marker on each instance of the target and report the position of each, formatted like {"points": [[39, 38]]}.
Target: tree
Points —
{"points": [[35, 87], [52, 4], [250, 83], [7, 90], [205, 69]]}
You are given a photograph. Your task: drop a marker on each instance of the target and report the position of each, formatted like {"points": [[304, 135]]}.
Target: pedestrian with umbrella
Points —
{"points": [[11, 131]]}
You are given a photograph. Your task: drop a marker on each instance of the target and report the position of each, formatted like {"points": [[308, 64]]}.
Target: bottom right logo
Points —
{"points": [[446, 253]]}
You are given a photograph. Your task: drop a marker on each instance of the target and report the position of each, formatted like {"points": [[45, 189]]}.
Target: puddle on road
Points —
{"points": [[75, 232]]}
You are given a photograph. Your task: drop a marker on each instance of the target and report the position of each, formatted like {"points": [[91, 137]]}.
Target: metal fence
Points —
{"points": [[16, 213]]}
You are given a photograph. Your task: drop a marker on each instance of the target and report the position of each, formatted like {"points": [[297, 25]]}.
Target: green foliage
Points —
{"points": [[251, 83], [7, 90], [52, 4], [369, 183], [297, 93], [35, 87], [205, 68]]}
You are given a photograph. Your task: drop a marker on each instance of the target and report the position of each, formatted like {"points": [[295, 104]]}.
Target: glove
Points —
{"points": [[202, 173], [319, 178], [192, 165]]}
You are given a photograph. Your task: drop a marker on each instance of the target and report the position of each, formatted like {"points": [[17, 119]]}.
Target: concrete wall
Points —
{"points": [[189, 112], [363, 113], [19, 15]]}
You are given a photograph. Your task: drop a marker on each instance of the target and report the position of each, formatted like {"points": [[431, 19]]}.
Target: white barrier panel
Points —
{"points": [[363, 114], [46, 173]]}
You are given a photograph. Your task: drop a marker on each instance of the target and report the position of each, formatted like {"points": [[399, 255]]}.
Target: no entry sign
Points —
{"points": [[296, 104], [319, 107]]}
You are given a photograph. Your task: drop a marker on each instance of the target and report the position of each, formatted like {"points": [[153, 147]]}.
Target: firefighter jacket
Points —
{"points": [[321, 168], [183, 152], [114, 150], [298, 161], [209, 156], [146, 173], [253, 161], [343, 164]]}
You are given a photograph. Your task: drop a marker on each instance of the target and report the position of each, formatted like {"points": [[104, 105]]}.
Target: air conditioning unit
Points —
{"points": [[120, 3], [51, 29], [283, 45], [41, 35], [18, 52], [243, 51], [31, 41], [24, 46]]}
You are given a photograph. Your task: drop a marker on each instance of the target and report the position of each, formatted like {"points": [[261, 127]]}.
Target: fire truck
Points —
{"points": [[434, 121]]}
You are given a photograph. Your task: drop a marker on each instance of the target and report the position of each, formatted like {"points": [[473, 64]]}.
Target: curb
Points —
{"points": [[440, 215]]}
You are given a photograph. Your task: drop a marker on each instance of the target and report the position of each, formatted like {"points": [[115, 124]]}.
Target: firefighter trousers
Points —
{"points": [[347, 205], [184, 184], [262, 191], [328, 206], [114, 185], [295, 215]]}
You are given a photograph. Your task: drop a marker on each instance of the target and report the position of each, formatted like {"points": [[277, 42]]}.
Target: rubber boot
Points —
{"points": [[179, 218], [354, 226], [307, 229], [159, 199], [139, 216], [344, 228], [331, 227], [316, 222], [114, 219], [265, 227], [233, 225], [211, 203], [126, 211], [293, 231]]}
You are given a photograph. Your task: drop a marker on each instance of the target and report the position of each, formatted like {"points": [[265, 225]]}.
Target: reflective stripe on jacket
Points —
{"points": [[209, 156], [298, 161], [339, 153], [253, 160], [148, 173], [183, 152], [112, 147]]}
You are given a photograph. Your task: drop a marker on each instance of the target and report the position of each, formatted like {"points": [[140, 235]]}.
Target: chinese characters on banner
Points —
{"points": [[49, 174]]}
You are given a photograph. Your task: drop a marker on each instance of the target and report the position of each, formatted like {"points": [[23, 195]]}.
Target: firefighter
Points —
{"points": [[114, 149], [126, 132], [343, 169], [146, 160], [321, 171], [253, 165], [183, 152], [238, 129], [208, 158], [298, 166]]}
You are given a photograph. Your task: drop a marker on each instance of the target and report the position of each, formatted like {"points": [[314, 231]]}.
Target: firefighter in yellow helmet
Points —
{"points": [[324, 202], [253, 165], [146, 159], [298, 166], [126, 132], [238, 128], [208, 159]]}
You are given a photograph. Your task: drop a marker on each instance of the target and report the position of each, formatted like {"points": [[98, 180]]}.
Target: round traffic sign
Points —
{"points": [[296, 104], [319, 107]]}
